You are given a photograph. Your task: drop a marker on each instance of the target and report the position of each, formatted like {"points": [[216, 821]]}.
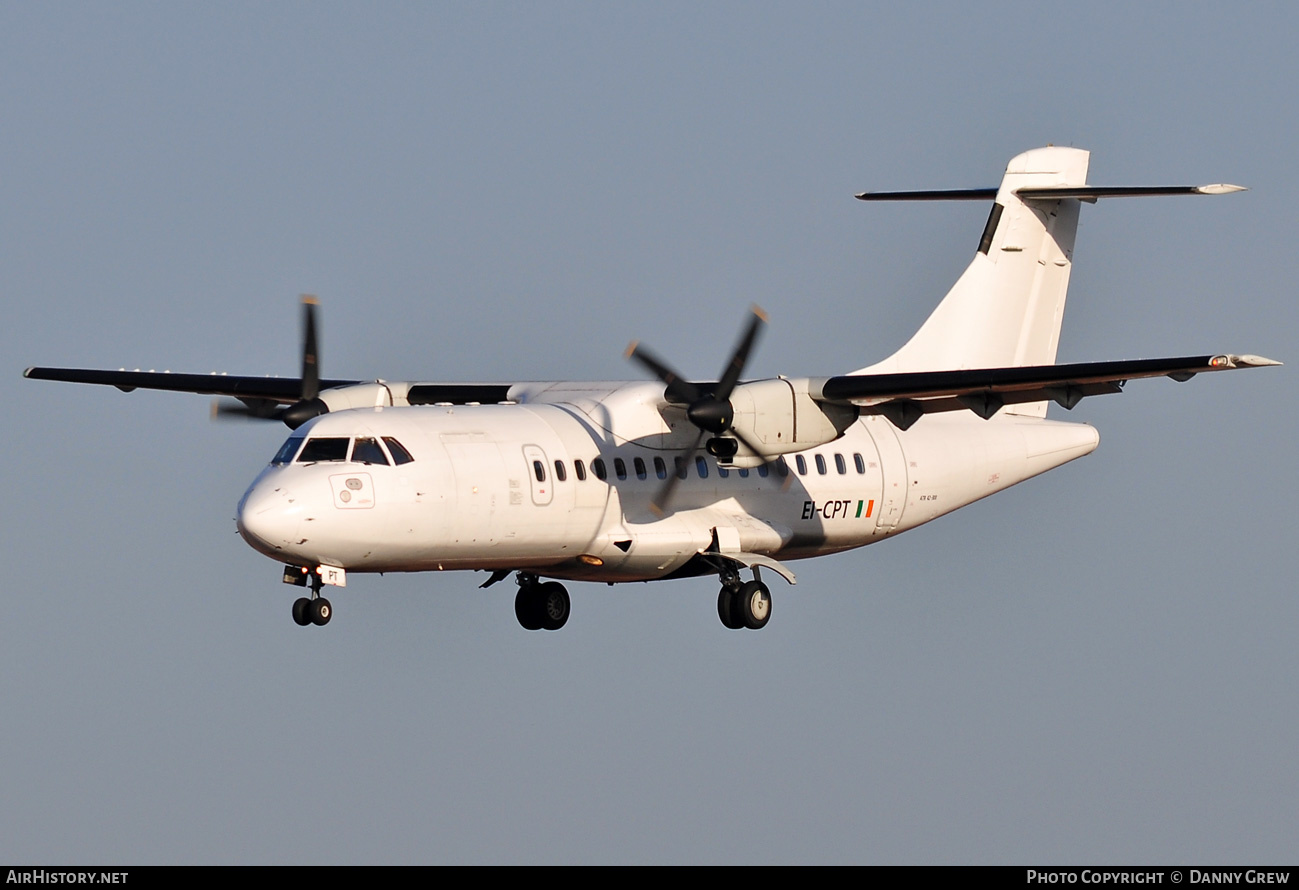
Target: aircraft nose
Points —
{"points": [[268, 518]]}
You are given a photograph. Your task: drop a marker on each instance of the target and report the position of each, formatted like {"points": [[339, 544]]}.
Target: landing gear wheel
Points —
{"points": [[527, 607], [553, 605], [320, 611], [727, 609], [301, 615], [753, 605]]}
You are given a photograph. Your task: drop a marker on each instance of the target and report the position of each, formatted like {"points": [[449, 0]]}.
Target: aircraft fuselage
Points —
{"points": [[556, 488]]}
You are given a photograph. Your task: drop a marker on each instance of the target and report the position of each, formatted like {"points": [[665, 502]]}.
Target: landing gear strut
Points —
{"points": [[743, 605], [314, 610], [541, 606]]}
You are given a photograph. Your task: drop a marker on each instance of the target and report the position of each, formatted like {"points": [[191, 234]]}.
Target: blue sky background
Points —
{"points": [[1097, 666]]}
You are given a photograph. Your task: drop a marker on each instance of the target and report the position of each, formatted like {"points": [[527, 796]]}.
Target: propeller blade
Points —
{"points": [[769, 463], [664, 496], [310, 350], [679, 390], [740, 357], [308, 405], [252, 409]]}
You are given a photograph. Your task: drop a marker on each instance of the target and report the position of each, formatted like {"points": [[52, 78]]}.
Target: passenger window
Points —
{"points": [[859, 464], [580, 469], [287, 450], [324, 450], [597, 467], [660, 468], [683, 467], [839, 464], [639, 464], [800, 464], [399, 455], [782, 468], [701, 467], [744, 473], [820, 464], [538, 470], [763, 471], [367, 451], [561, 475], [722, 471], [620, 468]]}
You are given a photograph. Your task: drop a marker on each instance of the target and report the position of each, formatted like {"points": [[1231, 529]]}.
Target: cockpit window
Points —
{"points": [[367, 451], [287, 450], [399, 455], [323, 449]]}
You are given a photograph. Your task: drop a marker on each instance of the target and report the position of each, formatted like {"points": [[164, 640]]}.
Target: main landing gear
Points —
{"points": [[314, 610], [742, 605], [540, 606]]}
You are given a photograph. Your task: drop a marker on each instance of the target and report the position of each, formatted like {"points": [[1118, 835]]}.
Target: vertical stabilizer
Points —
{"points": [[1006, 309]]}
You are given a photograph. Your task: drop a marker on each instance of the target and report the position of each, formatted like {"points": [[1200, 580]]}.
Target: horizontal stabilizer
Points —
{"points": [[1092, 192], [932, 195], [1055, 193]]}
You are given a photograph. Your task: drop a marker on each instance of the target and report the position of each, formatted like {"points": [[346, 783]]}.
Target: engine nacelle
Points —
{"points": [[780, 416], [359, 395]]}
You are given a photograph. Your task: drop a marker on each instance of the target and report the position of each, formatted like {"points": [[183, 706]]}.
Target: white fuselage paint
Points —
{"points": [[471, 498]]}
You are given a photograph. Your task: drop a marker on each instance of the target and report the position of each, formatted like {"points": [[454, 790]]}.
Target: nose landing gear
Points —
{"points": [[315, 609]]}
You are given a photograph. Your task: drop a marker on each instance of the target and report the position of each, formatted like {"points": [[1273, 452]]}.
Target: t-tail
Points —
{"points": [[1006, 309]]}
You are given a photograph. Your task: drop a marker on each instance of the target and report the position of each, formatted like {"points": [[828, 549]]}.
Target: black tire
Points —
{"points": [[728, 608], [321, 611], [753, 605], [527, 608], [553, 605], [301, 611]]}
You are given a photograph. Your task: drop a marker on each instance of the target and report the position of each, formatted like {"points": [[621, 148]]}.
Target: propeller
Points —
{"points": [[308, 405], [708, 405]]}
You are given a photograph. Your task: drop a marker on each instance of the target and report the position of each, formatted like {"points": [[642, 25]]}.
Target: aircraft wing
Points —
{"points": [[283, 390], [903, 398], [275, 389]]}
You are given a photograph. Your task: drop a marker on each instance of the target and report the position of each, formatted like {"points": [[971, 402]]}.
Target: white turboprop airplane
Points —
{"points": [[642, 481]]}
